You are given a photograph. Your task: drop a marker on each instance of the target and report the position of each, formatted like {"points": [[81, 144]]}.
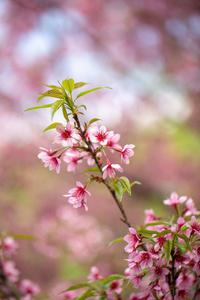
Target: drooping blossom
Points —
{"points": [[127, 152], [174, 200], [10, 271], [65, 134], [132, 239], [110, 169], [49, 160], [27, 287], [94, 274], [78, 196], [9, 245], [159, 271], [99, 135]]}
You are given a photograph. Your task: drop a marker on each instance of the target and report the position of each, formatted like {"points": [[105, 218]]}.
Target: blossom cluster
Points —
{"points": [[11, 286], [90, 144], [164, 256]]}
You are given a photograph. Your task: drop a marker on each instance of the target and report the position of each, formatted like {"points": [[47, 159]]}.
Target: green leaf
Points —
{"points": [[37, 107], [159, 223], [164, 232], [55, 106], [79, 84], [184, 227], [146, 232], [112, 277], [77, 107], [182, 247], [68, 84], [65, 113], [126, 183], [76, 287], [89, 91], [186, 239], [54, 87], [119, 190], [94, 120], [51, 126], [52, 93], [168, 248], [91, 170], [116, 241], [25, 237], [86, 295], [135, 182]]}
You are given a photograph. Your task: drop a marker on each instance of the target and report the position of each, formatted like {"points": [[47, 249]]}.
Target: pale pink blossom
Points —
{"points": [[150, 216], [49, 160], [126, 152], [132, 239], [78, 196], [65, 134], [112, 142], [137, 281], [99, 135], [9, 245], [174, 200], [10, 271], [190, 208], [159, 271], [185, 279], [194, 225], [72, 157], [115, 287], [94, 274], [110, 169], [27, 287]]}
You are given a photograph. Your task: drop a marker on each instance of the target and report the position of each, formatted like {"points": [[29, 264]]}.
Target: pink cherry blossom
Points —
{"points": [[158, 272], [112, 142], [190, 208], [115, 287], [132, 239], [9, 245], [65, 134], [77, 196], [127, 152], [110, 169], [174, 200], [27, 287], [49, 160], [99, 135], [185, 279], [72, 157], [10, 271], [145, 259], [94, 274], [182, 295], [194, 225], [137, 281]]}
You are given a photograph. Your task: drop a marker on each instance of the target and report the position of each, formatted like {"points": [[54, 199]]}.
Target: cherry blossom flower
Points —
{"points": [[109, 169], [137, 280], [150, 216], [127, 152], [132, 239], [72, 157], [190, 208], [115, 287], [112, 142], [99, 135], [185, 279], [77, 196], [145, 259], [9, 245], [194, 225], [65, 134], [49, 160], [94, 274], [158, 272], [10, 271], [182, 295], [174, 200], [27, 287]]}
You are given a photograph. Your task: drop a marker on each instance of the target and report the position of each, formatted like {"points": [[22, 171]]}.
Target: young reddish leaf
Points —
{"points": [[51, 126], [89, 91], [55, 106], [68, 84]]}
